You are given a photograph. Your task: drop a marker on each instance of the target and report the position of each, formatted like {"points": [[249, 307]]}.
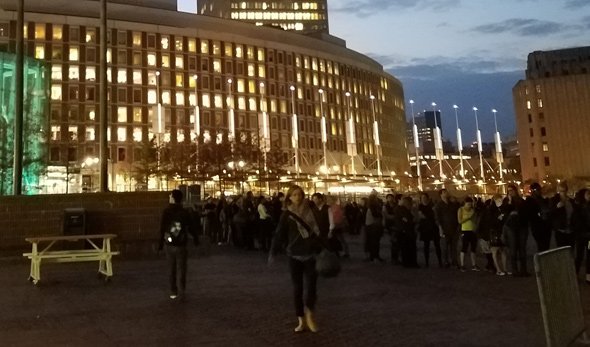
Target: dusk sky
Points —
{"points": [[465, 52]]}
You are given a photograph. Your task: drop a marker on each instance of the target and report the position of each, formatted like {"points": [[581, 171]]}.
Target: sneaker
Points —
{"points": [[462, 268], [173, 296], [475, 268], [509, 273], [501, 273]]}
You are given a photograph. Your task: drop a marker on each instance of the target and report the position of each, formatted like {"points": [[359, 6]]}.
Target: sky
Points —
{"points": [[464, 52]]}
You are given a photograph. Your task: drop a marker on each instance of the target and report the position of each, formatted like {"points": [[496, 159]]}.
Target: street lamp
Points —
{"points": [[295, 131], [350, 135], [264, 124], [376, 137], [416, 145], [479, 146], [231, 135], [197, 125], [498, 140], [438, 149], [459, 142], [324, 130], [159, 127]]}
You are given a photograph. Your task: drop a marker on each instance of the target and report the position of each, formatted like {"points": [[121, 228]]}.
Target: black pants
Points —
{"points": [[563, 239], [517, 243], [450, 248], [436, 242], [396, 237], [409, 249], [542, 237], [264, 233], [177, 262], [374, 233], [299, 270]]}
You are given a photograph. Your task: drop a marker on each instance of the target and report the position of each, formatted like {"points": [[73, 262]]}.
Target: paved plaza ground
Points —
{"points": [[235, 299]]}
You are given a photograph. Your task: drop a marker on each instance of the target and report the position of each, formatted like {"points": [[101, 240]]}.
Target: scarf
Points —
{"points": [[306, 214]]}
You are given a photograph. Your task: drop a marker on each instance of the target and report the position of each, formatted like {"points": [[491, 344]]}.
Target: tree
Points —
{"points": [[147, 165]]}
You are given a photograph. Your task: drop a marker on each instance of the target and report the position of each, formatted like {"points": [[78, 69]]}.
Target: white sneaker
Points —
{"points": [[173, 296], [501, 273]]}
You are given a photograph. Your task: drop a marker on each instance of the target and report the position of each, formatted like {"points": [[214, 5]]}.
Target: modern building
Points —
{"points": [[426, 124], [552, 107], [302, 16], [228, 73]]}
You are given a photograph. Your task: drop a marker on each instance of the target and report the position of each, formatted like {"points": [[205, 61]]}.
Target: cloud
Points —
{"points": [[526, 27], [576, 4], [367, 8]]}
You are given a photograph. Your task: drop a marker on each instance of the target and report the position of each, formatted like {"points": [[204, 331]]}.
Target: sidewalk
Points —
{"points": [[234, 299]]}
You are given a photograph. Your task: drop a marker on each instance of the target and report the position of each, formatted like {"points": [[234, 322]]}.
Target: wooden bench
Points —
{"points": [[101, 254]]}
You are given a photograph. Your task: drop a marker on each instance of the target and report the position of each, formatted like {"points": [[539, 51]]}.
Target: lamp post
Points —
{"points": [[459, 143], [159, 128], [376, 137], [231, 134], [438, 149], [265, 142], [294, 131], [324, 131], [479, 146], [416, 145], [350, 135], [197, 124], [499, 155]]}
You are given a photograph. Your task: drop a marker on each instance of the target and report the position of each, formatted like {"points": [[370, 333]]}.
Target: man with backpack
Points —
{"points": [[174, 229]]}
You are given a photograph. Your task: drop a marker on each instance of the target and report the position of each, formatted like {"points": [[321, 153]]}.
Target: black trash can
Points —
{"points": [[74, 221]]}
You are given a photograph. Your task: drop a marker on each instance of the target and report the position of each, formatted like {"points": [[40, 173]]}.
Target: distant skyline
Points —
{"points": [[469, 53]]}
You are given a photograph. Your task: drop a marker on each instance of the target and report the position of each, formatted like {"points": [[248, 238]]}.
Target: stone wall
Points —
{"points": [[134, 217]]}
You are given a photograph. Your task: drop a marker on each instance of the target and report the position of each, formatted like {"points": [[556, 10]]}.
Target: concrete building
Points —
{"points": [[154, 55], [552, 107], [304, 17]]}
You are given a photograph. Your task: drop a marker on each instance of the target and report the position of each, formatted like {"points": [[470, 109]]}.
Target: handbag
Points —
{"points": [[327, 263]]}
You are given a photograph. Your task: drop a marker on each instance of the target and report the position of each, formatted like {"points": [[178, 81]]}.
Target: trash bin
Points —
{"points": [[74, 221]]}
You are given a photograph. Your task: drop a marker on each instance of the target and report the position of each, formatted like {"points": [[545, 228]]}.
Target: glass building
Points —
{"points": [[227, 72]]}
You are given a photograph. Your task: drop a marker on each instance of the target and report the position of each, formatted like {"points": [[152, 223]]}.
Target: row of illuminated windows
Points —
{"points": [[539, 104], [295, 5], [277, 15]]}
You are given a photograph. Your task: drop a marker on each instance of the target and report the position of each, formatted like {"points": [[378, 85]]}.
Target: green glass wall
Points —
{"points": [[35, 125]]}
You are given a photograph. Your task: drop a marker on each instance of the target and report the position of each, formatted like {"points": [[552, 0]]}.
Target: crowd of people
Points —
{"points": [[498, 228]]}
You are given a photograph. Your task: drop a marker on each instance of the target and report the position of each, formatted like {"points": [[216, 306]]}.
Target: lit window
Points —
{"points": [[74, 73], [152, 78], [206, 100], [252, 104], [74, 53], [57, 32], [137, 134], [179, 62], [56, 73], [216, 48], [73, 132], [166, 97], [91, 115], [90, 35], [165, 60], [90, 73], [261, 71], [109, 55], [540, 103], [180, 135], [217, 65], [251, 70], [137, 114], [55, 132], [152, 96], [180, 99], [545, 147], [178, 44], [39, 51], [136, 39], [90, 133], [121, 134], [56, 92], [40, 31], [241, 85], [218, 101], [122, 114], [109, 75], [192, 45], [180, 79], [260, 54], [151, 59], [121, 76], [528, 104], [165, 42], [228, 50], [241, 103], [239, 51], [205, 47], [137, 77]]}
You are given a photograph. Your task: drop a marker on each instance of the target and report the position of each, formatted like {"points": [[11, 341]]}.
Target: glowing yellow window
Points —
{"points": [[57, 32], [74, 53], [40, 31], [40, 51], [179, 79]]}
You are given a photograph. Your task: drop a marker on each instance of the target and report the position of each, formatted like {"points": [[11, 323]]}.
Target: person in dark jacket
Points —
{"points": [[428, 229], [562, 210], [391, 204], [517, 227], [539, 214], [445, 212], [404, 220], [581, 227], [298, 232], [175, 227], [374, 227], [494, 222]]}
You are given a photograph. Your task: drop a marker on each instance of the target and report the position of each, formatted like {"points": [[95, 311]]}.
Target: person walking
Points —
{"points": [[445, 212], [175, 227], [467, 219], [299, 233], [428, 229]]}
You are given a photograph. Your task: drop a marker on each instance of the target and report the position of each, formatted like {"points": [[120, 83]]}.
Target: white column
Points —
{"points": [[459, 143], [438, 148], [416, 146], [295, 131], [350, 135], [498, 141], [479, 146], [376, 137], [324, 132]]}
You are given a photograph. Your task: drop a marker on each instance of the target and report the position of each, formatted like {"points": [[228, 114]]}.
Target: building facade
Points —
{"points": [[154, 56], [301, 16], [552, 107]]}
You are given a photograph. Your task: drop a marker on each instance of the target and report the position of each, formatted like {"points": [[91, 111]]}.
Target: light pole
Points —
{"points": [[231, 134], [376, 138], [159, 128], [324, 131], [459, 143], [416, 145], [479, 146], [197, 124], [265, 143], [438, 149], [499, 155], [295, 131], [350, 136]]}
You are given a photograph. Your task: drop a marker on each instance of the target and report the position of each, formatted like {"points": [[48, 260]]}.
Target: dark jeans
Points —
{"points": [[409, 249], [374, 233], [436, 242], [563, 239], [177, 261], [299, 270], [396, 237], [450, 249], [265, 227], [542, 236], [517, 239]]}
